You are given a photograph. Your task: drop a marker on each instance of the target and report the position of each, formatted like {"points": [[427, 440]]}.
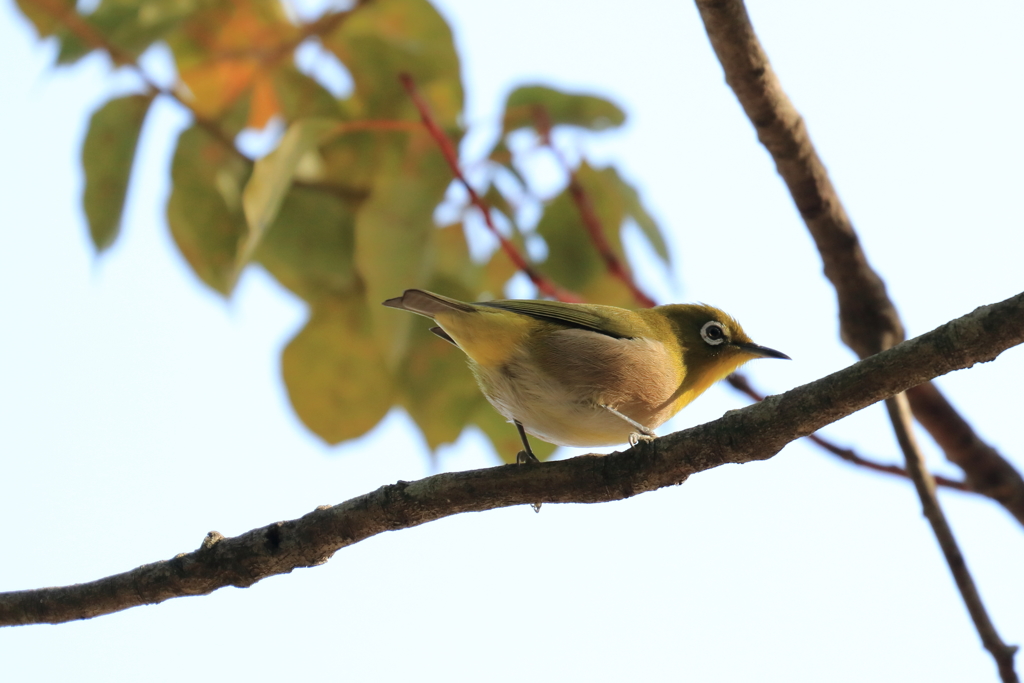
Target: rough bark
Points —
{"points": [[755, 433]]}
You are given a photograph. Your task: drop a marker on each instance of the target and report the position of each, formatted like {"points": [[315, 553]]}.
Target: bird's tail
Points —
{"points": [[427, 303]]}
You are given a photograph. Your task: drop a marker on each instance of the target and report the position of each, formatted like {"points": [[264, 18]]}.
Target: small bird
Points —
{"points": [[584, 374]]}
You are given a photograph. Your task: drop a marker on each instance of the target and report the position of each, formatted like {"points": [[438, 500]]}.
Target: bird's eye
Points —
{"points": [[713, 333]]}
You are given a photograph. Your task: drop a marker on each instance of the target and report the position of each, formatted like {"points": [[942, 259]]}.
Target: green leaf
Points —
{"points": [[311, 245], [526, 104], [107, 155], [388, 37], [205, 208], [438, 389], [573, 259], [497, 272], [638, 212], [302, 97], [394, 233], [334, 372], [130, 26], [272, 176], [454, 272], [351, 160]]}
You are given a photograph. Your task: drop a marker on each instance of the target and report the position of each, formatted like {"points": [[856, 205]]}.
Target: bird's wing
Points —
{"points": [[602, 319]]}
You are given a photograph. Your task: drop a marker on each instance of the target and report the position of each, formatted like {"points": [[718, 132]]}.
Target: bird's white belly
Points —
{"points": [[550, 410]]}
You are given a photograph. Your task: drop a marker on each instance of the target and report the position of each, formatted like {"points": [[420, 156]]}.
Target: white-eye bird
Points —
{"points": [[584, 374]]}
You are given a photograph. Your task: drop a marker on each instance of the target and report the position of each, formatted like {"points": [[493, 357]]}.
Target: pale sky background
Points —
{"points": [[138, 410]]}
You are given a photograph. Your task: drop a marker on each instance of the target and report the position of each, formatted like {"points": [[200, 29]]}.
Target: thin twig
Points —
{"points": [[987, 471], [740, 382], [899, 413], [589, 216], [754, 433], [868, 318], [444, 143]]}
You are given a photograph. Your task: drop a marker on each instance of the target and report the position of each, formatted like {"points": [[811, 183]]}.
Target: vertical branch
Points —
{"points": [[899, 413], [869, 322], [444, 143], [868, 319]]}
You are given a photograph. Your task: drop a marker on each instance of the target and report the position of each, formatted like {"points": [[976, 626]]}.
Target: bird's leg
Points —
{"points": [[641, 434], [527, 455]]}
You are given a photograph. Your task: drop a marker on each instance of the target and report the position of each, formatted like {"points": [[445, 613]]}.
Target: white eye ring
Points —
{"points": [[709, 329]]}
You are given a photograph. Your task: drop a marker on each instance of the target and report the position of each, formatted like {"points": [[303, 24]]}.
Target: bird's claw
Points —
{"points": [[526, 458], [635, 438]]}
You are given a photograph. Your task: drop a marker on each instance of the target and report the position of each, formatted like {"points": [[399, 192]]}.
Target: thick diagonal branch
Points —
{"points": [[755, 433], [868, 319]]}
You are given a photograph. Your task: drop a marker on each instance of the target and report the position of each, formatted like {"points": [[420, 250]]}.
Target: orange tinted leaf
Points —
{"points": [[221, 29], [264, 101], [46, 24], [215, 86], [227, 49]]}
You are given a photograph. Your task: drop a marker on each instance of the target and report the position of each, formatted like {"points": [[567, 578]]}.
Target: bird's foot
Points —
{"points": [[635, 438], [642, 433], [526, 458]]}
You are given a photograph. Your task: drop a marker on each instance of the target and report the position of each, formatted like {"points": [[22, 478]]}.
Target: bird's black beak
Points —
{"points": [[761, 351]]}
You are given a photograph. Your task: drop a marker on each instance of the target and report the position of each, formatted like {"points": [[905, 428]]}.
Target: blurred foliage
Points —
{"points": [[342, 211]]}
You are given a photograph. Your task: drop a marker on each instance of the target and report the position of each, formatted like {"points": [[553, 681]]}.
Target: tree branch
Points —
{"points": [[868, 319], [899, 413], [740, 383], [754, 433]]}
